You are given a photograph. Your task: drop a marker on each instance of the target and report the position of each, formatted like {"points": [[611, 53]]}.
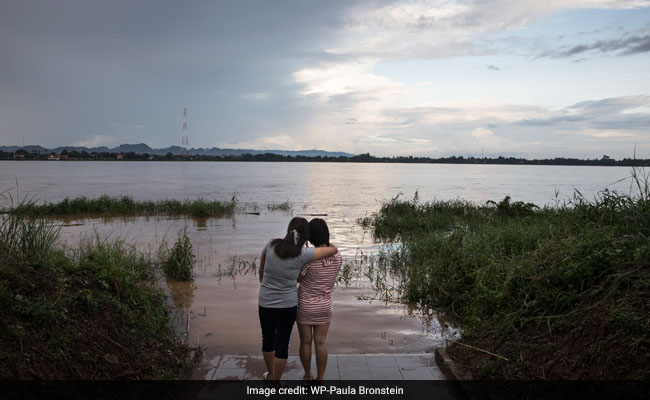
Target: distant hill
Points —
{"points": [[142, 148]]}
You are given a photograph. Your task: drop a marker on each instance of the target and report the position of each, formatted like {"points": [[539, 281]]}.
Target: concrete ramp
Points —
{"points": [[375, 367]]}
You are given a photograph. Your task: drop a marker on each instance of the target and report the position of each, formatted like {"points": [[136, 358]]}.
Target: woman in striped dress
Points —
{"points": [[317, 280]]}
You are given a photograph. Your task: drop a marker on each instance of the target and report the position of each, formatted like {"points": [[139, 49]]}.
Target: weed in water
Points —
{"points": [[125, 205], [285, 206], [179, 264]]}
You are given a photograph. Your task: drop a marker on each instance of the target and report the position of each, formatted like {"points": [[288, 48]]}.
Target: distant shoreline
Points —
{"points": [[362, 158]]}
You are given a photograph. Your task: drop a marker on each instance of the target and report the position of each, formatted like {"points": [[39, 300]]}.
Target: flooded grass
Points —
{"points": [[92, 312], [538, 293], [178, 262], [124, 206], [285, 206], [119, 206]]}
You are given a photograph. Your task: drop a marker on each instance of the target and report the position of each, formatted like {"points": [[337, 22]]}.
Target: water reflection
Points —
{"points": [[219, 309], [181, 293], [200, 222]]}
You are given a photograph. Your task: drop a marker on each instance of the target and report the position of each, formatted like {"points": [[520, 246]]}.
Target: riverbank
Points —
{"points": [[550, 293], [92, 312]]}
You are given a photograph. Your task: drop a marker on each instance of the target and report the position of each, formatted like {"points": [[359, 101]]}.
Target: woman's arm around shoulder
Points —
{"points": [[324, 252]]}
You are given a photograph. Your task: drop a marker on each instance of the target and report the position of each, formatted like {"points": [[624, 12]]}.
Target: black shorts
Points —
{"points": [[277, 324]]}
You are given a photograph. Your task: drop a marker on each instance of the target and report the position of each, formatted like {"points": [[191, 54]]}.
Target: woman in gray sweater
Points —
{"points": [[278, 298]]}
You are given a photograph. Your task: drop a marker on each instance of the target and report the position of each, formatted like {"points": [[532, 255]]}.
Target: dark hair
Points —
{"points": [[287, 247], [318, 232]]}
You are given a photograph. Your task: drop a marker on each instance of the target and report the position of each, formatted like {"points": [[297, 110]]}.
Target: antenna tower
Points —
{"points": [[185, 141]]}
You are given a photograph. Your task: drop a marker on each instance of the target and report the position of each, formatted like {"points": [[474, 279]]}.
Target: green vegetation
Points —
{"points": [[89, 313], [286, 207], [74, 155], [179, 261], [125, 205], [550, 293]]}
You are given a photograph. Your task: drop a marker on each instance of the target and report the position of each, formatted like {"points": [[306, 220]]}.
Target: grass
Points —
{"points": [[179, 261], [125, 205], [556, 293], [92, 312], [111, 206], [285, 206]]}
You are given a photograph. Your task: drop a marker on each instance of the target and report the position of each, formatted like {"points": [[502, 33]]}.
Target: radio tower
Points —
{"points": [[184, 141]]}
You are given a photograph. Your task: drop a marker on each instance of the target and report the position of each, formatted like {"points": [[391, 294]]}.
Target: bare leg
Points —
{"points": [[320, 340], [278, 368], [305, 348], [268, 361]]}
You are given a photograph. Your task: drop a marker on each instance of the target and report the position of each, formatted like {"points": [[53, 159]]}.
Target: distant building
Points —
{"points": [[120, 156], [53, 156], [19, 156], [64, 157]]}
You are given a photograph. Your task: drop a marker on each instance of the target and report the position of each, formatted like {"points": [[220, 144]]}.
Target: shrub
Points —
{"points": [[180, 260]]}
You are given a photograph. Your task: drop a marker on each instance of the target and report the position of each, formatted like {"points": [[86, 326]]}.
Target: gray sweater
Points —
{"points": [[279, 283]]}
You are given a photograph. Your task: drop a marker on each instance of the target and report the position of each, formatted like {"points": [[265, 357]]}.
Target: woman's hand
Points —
{"points": [[324, 252]]}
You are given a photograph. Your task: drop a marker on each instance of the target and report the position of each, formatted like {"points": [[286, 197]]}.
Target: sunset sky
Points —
{"points": [[538, 78]]}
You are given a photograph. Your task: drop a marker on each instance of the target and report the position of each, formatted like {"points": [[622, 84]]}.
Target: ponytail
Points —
{"points": [[291, 245]]}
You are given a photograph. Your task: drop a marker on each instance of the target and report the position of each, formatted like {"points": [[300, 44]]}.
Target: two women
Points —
{"points": [[280, 265]]}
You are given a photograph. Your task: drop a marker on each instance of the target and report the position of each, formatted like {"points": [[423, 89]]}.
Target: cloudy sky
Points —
{"points": [[536, 78]]}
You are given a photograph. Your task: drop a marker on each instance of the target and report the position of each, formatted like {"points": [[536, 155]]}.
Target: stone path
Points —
{"points": [[376, 367]]}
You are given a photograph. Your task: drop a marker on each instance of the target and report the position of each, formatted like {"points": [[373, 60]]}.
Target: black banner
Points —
{"points": [[347, 390]]}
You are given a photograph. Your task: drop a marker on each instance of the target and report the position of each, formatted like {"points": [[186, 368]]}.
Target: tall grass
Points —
{"points": [[125, 205], [179, 261], [26, 240], [90, 312], [511, 274]]}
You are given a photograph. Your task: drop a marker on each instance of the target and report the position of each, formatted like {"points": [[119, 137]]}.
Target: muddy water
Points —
{"points": [[219, 309]]}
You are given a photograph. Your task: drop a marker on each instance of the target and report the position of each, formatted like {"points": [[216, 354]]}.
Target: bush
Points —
{"points": [[179, 264]]}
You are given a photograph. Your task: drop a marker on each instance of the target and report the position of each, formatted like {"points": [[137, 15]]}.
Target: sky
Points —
{"points": [[534, 79]]}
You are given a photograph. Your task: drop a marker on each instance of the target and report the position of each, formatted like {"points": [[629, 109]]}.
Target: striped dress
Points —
{"points": [[315, 290]]}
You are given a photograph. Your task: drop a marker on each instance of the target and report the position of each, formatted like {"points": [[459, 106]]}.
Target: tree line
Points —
{"points": [[360, 158]]}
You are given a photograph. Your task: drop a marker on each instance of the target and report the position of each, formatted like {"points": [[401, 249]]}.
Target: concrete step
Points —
{"points": [[376, 367]]}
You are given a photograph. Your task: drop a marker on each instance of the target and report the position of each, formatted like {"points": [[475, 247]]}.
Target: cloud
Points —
{"points": [[622, 46], [356, 77], [433, 29], [612, 113], [256, 96], [97, 141], [378, 139], [351, 91], [482, 133], [278, 142]]}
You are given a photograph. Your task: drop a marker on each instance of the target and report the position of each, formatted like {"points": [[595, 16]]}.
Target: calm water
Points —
{"points": [[219, 311], [336, 188]]}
